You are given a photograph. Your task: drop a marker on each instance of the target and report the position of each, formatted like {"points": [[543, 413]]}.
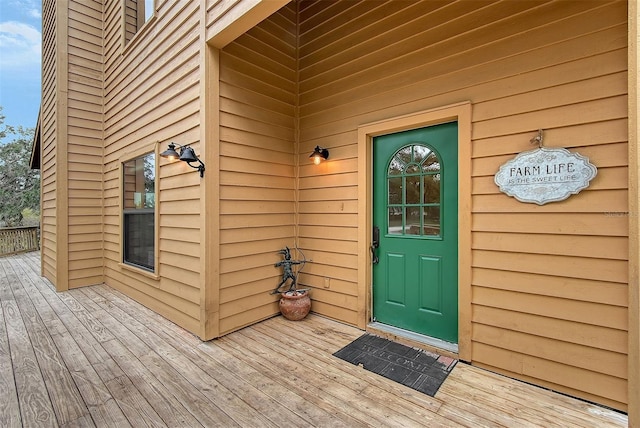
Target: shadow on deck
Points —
{"points": [[93, 357]]}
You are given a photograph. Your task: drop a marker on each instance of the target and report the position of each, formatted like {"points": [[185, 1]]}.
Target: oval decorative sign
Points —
{"points": [[545, 175]]}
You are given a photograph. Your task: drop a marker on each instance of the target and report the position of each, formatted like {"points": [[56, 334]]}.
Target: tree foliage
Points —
{"points": [[19, 185]]}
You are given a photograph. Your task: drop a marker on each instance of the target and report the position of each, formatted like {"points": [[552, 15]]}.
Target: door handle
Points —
{"points": [[375, 243]]}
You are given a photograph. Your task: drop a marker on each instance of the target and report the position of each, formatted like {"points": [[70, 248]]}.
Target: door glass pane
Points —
{"points": [[396, 167], [404, 155], [414, 192], [432, 189], [412, 189], [431, 221], [395, 221], [432, 163], [395, 190], [412, 226], [420, 153]]}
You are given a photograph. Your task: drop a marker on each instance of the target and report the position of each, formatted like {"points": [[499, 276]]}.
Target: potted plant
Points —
{"points": [[294, 303]]}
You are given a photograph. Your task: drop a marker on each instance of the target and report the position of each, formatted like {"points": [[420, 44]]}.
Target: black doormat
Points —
{"points": [[421, 370]]}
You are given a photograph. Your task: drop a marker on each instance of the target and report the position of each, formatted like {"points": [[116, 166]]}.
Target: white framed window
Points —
{"points": [[139, 212]]}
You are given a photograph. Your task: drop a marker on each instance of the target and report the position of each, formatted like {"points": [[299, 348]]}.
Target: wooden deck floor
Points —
{"points": [[93, 357]]}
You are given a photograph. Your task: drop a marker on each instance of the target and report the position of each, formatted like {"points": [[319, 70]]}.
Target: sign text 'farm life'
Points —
{"points": [[545, 175]]}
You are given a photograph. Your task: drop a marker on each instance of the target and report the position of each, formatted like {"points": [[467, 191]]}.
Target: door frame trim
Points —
{"points": [[460, 112]]}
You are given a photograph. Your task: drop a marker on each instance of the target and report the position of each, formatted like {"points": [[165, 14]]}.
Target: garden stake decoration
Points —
{"points": [[288, 272], [294, 304]]}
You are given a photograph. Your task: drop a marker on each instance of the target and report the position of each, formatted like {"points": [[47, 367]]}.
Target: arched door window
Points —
{"points": [[414, 192]]}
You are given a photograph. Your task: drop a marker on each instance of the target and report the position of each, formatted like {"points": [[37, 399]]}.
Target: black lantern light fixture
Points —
{"points": [[319, 154], [186, 154]]}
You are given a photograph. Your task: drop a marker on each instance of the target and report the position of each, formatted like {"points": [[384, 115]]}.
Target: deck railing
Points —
{"points": [[14, 240]]}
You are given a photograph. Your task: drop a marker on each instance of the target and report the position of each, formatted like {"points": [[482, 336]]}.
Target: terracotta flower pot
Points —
{"points": [[295, 305]]}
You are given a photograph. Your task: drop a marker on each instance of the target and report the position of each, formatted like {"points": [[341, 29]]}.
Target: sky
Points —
{"points": [[20, 52]]}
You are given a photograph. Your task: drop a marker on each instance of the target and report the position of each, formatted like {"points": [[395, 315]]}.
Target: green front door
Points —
{"points": [[415, 210]]}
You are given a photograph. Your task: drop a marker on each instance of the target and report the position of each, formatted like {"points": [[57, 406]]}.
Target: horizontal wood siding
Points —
{"points": [[151, 96], [549, 282], [257, 167], [130, 19], [48, 136], [85, 143]]}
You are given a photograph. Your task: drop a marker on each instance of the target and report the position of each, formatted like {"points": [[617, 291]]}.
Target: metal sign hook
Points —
{"points": [[538, 139]]}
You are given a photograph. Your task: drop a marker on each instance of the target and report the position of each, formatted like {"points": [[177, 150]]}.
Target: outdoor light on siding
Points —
{"points": [[186, 154], [319, 154]]}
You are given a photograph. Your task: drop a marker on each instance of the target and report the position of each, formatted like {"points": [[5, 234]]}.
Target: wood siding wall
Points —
{"points": [[549, 282], [152, 97], [130, 19], [84, 143], [257, 167], [71, 136], [48, 112]]}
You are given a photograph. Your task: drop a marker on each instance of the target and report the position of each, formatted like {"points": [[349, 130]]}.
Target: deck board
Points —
{"points": [[94, 357]]}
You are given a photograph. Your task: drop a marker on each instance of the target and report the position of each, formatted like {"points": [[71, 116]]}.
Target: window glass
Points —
{"points": [[149, 7], [395, 190], [412, 188], [432, 163], [412, 225], [431, 220], [432, 189], [139, 196], [414, 192], [395, 221]]}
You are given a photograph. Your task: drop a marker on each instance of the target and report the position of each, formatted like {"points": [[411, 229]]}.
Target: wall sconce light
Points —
{"points": [[319, 154], [186, 154]]}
